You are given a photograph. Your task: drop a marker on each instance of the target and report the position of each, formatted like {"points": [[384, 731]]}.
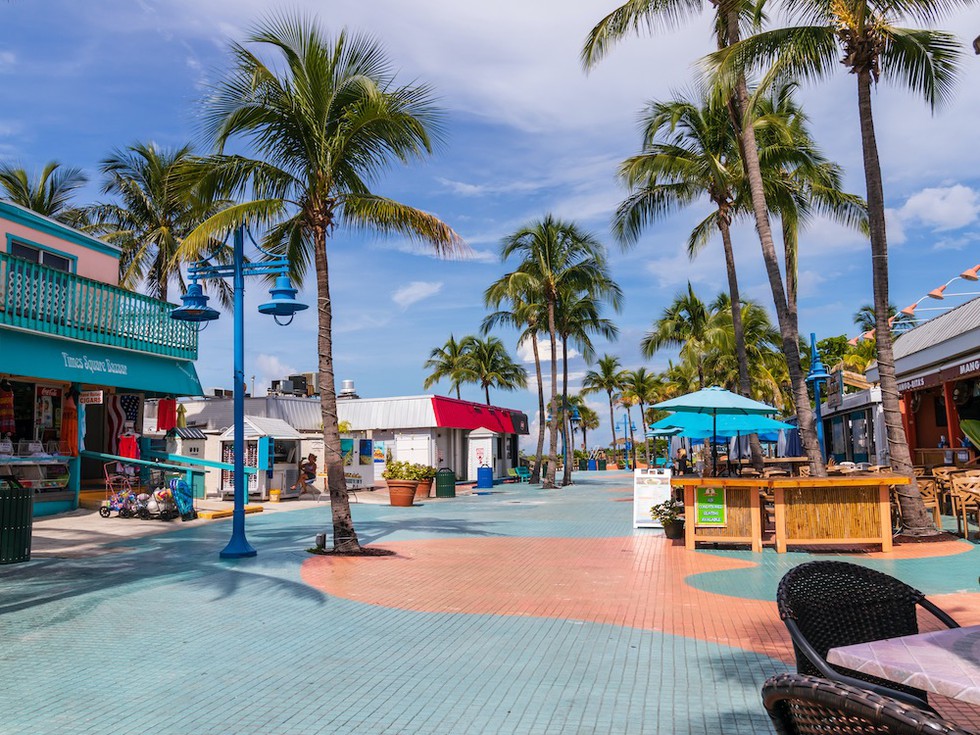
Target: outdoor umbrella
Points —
{"points": [[701, 425], [668, 431], [715, 402]]}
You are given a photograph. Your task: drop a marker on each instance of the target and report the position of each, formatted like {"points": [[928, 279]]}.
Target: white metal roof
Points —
{"points": [[256, 426], [964, 318]]}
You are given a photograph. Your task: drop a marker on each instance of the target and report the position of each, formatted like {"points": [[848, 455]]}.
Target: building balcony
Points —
{"points": [[36, 298]]}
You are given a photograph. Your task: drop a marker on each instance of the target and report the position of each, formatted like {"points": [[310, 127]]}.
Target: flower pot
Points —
{"points": [[422, 491], [402, 492], [674, 529]]}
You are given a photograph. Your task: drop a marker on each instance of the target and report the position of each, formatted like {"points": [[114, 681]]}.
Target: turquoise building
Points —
{"points": [[71, 337]]}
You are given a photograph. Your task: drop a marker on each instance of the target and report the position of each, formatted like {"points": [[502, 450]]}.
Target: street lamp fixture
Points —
{"points": [[818, 374], [283, 305]]}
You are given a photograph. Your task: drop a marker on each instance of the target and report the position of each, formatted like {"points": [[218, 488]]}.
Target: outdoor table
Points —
{"points": [[831, 511], [792, 463], [945, 662]]}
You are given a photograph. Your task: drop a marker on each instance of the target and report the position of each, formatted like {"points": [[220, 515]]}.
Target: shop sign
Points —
{"points": [[709, 506], [925, 381], [104, 366], [834, 389], [963, 370], [90, 397]]}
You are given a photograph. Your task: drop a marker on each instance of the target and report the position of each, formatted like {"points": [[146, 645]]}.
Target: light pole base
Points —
{"points": [[237, 549]]}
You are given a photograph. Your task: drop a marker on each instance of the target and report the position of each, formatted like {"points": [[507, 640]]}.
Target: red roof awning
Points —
{"points": [[454, 414]]}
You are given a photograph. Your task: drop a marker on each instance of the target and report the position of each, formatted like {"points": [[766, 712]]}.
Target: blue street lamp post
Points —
{"points": [[627, 426], [197, 311], [817, 375]]}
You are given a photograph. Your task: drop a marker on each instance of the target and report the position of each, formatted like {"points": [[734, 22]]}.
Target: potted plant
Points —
{"points": [[670, 515], [425, 474], [402, 482]]}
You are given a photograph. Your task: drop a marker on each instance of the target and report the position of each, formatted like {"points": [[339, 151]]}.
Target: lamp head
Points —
{"points": [[971, 274], [195, 308], [937, 293], [283, 303]]}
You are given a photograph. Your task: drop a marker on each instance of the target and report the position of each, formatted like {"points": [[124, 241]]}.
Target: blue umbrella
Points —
{"points": [[725, 425], [716, 402]]}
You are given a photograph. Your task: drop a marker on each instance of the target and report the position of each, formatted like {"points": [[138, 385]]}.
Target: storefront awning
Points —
{"points": [[454, 414], [37, 356]]}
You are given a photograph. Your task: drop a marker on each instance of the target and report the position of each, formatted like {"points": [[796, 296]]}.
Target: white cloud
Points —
{"points": [[7, 61], [415, 291], [525, 352], [942, 208], [268, 368], [894, 227]]}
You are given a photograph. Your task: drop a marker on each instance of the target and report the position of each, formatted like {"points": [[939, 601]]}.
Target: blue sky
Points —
{"points": [[527, 133]]}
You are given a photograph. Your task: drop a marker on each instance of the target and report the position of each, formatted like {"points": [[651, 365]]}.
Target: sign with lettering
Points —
{"points": [[90, 397], [650, 487], [925, 381], [834, 387], [96, 367], [963, 370], [709, 506]]}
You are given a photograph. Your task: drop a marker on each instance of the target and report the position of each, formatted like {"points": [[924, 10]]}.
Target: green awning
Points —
{"points": [[33, 355]]}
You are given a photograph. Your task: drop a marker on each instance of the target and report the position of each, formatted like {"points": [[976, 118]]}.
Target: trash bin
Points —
{"points": [[602, 465], [583, 464], [484, 478], [16, 521], [592, 466], [445, 483]]}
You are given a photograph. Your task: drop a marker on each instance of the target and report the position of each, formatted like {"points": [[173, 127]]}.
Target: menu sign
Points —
{"points": [[650, 487], [709, 506]]}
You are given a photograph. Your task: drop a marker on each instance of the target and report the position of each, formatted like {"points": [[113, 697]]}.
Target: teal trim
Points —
{"points": [[50, 358], [143, 463], [40, 299], [44, 507], [38, 246], [26, 217], [152, 454]]}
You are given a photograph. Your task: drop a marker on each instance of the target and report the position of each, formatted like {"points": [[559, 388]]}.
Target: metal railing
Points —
{"points": [[42, 299]]}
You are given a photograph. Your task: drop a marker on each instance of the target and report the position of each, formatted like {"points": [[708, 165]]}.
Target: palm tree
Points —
{"points": [[449, 361], [643, 387], [490, 365], [608, 376], [325, 119], [156, 210], [588, 420], [528, 313], [684, 323], [922, 60], [729, 16], [555, 257], [49, 192], [866, 320]]}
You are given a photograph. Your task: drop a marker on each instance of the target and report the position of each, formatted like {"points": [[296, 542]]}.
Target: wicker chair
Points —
{"points": [[828, 604], [806, 705], [966, 500]]}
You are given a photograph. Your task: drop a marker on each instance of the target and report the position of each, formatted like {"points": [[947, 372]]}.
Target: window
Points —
{"points": [[37, 255]]}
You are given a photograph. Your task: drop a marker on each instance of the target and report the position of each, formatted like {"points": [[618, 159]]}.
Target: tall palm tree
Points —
{"points": [[449, 361], [156, 209], [588, 420], [528, 313], [49, 192], [729, 16], [554, 257], [607, 376], [325, 119], [922, 60], [490, 365], [684, 324], [644, 387]]}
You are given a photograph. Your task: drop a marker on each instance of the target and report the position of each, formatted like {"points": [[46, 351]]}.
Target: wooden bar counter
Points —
{"points": [[809, 511]]}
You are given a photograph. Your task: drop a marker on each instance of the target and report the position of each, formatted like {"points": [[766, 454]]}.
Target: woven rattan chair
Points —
{"points": [[806, 705], [966, 500], [829, 604]]}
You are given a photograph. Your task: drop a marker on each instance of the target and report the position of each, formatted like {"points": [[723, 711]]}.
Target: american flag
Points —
{"points": [[120, 408]]}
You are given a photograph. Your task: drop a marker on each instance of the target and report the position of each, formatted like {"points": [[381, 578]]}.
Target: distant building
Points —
{"points": [[302, 384]]}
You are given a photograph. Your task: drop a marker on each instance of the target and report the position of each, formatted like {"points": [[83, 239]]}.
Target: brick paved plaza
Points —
{"points": [[525, 611]]}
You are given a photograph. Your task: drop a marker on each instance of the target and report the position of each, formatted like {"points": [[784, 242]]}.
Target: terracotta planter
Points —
{"points": [[674, 529], [402, 492], [422, 491]]}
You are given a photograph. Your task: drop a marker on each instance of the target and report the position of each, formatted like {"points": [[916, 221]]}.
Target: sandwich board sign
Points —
{"points": [[650, 486]]}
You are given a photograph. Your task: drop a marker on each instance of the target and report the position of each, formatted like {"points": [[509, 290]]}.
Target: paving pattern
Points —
{"points": [[524, 611]]}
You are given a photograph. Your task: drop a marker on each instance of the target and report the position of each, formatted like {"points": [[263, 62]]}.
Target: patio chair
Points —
{"points": [[806, 705], [828, 604], [523, 473], [966, 500]]}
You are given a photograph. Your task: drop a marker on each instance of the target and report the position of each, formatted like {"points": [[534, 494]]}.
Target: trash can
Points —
{"points": [[602, 465], [592, 466], [484, 478], [16, 521], [445, 483], [583, 464]]}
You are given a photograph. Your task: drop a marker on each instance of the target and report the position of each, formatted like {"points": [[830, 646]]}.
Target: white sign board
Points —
{"points": [[650, 486], [90, 397]]}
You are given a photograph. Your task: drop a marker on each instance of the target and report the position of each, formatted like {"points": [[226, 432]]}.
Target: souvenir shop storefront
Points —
{"points": [[59, 397]]}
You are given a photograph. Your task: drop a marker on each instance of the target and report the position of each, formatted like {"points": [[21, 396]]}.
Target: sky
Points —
{"points": [[527, 133]]}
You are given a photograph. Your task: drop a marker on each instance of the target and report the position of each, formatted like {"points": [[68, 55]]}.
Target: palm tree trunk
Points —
{"points": [[487, 389], [612, 422], [915, 519], [344, 536], [788, 328], [458, 397], [536, 471], [549, 480], [566, 423], [741, 354]]}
